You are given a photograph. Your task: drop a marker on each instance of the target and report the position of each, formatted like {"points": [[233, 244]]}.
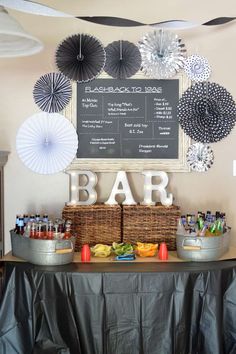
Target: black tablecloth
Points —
{"points": [[153, 308]]}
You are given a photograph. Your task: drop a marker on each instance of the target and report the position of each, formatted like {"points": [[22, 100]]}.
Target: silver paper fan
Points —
{"points": [[81, 57], [197, 68], [200, 157], [46, 143], [123, 59], [52, 92], [163, 54], [207, 112]]}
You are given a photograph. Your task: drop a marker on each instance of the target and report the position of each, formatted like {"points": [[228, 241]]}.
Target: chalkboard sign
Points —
{"points": [[129, 122], [128, 119]]}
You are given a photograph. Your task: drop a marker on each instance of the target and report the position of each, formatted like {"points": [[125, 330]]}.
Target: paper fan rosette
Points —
{"points": [[80, 57], [163, 54], [200, 157], [52, 92], [123, 59], [197, 68], [46, 143], [207, 112]]}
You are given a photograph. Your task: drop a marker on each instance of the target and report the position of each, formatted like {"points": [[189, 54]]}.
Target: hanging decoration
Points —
{"points": [[200, 157], [40, 9], [163, 54], [197, 68], [34, 8], [207, 112], [80, 57], [52, 92], [123, 59], [169, 24], [46, 143]]}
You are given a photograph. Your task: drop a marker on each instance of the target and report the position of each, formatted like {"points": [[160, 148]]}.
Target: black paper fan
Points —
{"points": [[52, 92], [123, 59], [80, 57], [207, 112]]}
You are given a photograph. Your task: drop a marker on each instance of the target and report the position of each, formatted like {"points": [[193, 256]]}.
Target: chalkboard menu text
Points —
{"points": [[128, 119]]}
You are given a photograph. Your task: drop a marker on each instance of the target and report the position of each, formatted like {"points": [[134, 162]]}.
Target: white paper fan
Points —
{"points": [[47, 143], [197, 68]]}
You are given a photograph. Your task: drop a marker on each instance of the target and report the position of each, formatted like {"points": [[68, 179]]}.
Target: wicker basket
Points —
{"points": [[150, 223], [98, 223]]}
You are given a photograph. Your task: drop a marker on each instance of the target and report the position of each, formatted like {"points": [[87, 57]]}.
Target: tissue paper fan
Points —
{"points": [[81, 57], [207, 112], [163, 54], [46, 143], [123, 59], [52, 92], [197, 68], [200, 157]]}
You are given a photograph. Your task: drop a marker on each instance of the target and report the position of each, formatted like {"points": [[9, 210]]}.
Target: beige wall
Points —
{"points": [[26, 191]]}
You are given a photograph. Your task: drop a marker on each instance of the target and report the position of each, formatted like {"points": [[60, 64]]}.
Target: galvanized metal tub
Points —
{"points": [[197, 248], [42, 252]]}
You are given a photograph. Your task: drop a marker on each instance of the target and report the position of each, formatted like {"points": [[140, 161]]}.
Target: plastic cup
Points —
{"points": [[163, 252], [85, 254]]}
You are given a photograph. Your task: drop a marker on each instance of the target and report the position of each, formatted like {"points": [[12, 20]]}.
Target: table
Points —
{"points": [[119, 308], [231, 254]]}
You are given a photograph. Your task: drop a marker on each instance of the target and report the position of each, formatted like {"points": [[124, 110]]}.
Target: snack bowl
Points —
{"points": [[101, 250], [146, 249]]}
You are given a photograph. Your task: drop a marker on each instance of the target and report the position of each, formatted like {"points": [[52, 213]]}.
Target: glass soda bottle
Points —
{"points": [[55, 230], [45, 218], [50, 230], [67, 233], [27, 228], [26, 219], [180, 227], [17, 222], [37, 217], [32, 217], [39, 230], [20, 230], [33, 230]]}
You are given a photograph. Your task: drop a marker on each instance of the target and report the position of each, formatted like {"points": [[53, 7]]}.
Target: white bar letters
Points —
{"points": [[121, 186], [149, 188], [121, 179], [75, 187]]}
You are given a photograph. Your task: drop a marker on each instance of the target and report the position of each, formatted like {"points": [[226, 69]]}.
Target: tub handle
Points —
{"points": [[63, 246], [191, 244]]}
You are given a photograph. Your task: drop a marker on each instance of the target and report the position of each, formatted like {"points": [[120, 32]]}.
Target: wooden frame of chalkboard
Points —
{"points": [[128, 124]]}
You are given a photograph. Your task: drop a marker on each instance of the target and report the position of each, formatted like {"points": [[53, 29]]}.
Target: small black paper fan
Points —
{"points": [[207, 112], [123, 59], [80, 57], [52, 92]]}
